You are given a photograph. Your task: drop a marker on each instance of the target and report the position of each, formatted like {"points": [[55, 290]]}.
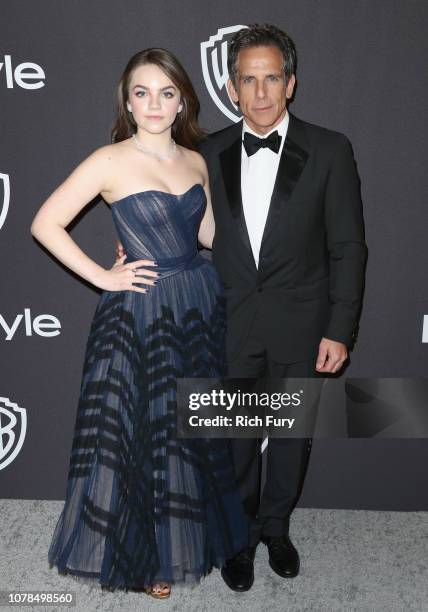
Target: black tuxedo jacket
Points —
{"points": [[311, 267]]}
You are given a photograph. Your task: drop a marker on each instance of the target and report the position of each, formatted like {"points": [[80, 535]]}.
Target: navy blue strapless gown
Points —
{"points": [[141, 504]]}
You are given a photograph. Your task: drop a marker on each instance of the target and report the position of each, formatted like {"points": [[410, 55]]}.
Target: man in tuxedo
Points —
{"points": [[289, 247]]}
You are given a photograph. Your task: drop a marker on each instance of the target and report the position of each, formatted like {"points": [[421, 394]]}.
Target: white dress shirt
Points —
{"points": [[258, 174]]}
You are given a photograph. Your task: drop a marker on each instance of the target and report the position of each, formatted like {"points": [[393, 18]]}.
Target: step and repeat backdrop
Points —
{"points": [[361, 71]]}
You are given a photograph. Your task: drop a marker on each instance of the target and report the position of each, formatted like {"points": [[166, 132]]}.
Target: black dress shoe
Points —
{"points": [[283, 557], [238, 572]]}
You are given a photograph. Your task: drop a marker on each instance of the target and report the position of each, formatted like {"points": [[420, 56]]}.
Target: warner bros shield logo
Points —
{"points": [[4, 197], [214, 69], [13, 427]]}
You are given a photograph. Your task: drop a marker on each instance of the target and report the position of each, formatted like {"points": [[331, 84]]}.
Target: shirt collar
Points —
{"points": [[281, 127]]}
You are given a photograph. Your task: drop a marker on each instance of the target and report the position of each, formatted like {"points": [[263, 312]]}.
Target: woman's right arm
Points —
{"points": [[88, 180]]}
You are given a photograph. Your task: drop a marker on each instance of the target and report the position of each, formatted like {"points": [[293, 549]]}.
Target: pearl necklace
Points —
{"points": [[142, 148]]}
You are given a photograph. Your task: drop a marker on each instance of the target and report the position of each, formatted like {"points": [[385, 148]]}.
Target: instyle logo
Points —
{"points": [[13, 427], [4, 197], [214, 69], [45, 325], [26, 75]]}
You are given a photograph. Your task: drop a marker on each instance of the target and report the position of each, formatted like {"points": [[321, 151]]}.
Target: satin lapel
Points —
{"points": [[291, 164], [230, 161]]}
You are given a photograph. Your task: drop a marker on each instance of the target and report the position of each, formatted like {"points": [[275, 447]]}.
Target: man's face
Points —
{"points": [[261, 89]]}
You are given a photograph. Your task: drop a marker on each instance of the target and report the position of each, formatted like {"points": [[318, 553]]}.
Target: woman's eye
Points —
{"points": [[169, 94], [140, 94]]}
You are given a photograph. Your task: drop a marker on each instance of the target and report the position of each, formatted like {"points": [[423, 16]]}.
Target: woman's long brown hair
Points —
{"points": [[185, 129]]}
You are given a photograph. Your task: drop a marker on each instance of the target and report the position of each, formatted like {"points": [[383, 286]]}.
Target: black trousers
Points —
{"points": [[268, 514]]}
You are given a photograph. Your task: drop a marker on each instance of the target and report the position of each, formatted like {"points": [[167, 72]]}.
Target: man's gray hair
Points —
{"points": [[257, 35]]}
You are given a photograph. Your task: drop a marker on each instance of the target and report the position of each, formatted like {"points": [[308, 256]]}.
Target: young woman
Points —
{"points": [[143, 508]]}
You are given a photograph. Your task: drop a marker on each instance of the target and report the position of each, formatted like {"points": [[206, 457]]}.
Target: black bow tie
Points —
{"points": [[252, 143]]}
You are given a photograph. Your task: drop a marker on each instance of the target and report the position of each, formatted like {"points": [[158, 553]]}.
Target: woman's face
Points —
{"points": [[153, 99]]}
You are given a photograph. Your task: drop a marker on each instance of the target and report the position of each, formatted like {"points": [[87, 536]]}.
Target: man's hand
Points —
{"points": [[331, 356], [120, 251]]}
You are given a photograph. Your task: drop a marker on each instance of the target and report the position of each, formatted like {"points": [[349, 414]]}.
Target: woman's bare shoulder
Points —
{"points": [[196, 159], [111, 151], [106, 163]]}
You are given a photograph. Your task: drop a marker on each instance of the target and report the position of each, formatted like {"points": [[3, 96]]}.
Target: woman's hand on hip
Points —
{"points": [[124, 276]]}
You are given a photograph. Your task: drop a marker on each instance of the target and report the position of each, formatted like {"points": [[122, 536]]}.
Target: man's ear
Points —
{"points": [[232, 91], [290, 86]]}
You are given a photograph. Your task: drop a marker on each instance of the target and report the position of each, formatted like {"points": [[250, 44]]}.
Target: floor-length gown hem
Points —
{"points": [[189, 579]]}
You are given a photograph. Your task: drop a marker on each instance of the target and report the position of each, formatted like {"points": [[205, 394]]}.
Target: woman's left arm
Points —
{"points": [[207, 227]]}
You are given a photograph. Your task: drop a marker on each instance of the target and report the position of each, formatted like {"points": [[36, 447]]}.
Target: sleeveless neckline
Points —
{"points": [[137, 193]]}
